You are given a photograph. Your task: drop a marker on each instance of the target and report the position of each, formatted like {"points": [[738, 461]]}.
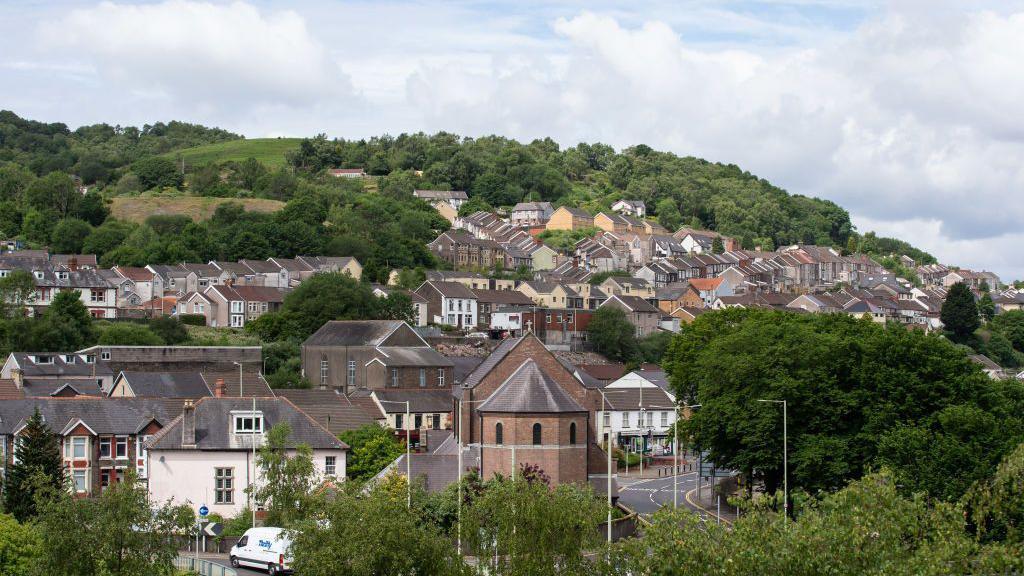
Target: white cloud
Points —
{"points": [[212, 56]]}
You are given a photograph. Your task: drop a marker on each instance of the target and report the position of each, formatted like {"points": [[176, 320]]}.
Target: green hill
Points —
{"points": [[269, 151]]}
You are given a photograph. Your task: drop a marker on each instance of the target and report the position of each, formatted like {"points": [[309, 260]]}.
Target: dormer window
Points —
{"points": [[38, 274], [44, 359], [69, 358], [90, 359], [61, 275], [4, 273], [248, 423]]}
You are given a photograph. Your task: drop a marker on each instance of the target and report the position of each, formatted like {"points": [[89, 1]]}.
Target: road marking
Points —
{"points": [[698, 506]]}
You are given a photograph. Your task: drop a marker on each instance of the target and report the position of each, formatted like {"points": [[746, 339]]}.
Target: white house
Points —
{"points": [[637, 412], [450, 303], [635, 208], [205, 456]]}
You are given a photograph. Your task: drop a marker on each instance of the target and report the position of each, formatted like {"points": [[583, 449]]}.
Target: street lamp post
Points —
{"points": [[239, 364], [785, 459], [609, 454], [408, 452]]}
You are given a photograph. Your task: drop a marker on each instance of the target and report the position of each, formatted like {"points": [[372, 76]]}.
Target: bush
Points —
{"points": [[192, 319], [171, 330]]}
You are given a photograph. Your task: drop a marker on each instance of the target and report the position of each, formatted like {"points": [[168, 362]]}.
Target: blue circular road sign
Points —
{"points": [[203, 510]]}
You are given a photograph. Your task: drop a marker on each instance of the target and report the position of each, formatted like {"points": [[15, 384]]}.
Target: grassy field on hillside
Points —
{"points": [[138, 208], [269, 151]]}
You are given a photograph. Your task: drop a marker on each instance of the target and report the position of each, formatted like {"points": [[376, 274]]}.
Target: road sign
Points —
{"points": [[213, 529], [204, 511]]}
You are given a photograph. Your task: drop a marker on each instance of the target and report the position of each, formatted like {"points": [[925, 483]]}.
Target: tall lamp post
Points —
{"points": [[608, 431], [785, 459], [408, 451], [239, 364]]}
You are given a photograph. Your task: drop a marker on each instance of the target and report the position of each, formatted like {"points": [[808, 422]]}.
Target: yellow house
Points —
{"points": [[612, 222], [546, 294], [628, 286], [566, 218], [544, 258]]}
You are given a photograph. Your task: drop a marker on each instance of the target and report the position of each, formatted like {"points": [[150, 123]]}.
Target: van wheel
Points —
{"points": [[272, 569], [234, 562]]}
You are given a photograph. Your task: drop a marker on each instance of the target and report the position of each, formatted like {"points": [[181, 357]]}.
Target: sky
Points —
{"points": [[908, 114]]}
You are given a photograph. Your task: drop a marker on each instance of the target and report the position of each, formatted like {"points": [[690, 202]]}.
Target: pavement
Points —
{"points": [[222, 559]]}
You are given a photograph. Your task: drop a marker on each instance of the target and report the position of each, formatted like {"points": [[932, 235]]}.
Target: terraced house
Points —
{"points": [[462, 250]]}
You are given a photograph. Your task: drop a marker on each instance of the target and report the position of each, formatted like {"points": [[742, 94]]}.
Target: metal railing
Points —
{"points": [[205, 567]]}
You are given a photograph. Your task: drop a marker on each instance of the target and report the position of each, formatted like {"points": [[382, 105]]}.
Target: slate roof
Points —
{"points": [[636, 304], [41, 388], [353, 333], [102, 415], [635, 398], [253, 384], [420, 401], [59, 368], [361, 399], [213, 426], [10, 391], [441, 194], [464, 366], [488, 364], [167, 384], [437, 470], [451, 289], [411, 356], [510, 297], [530, 390], [249, 293], [332, 409], [261, 266]]}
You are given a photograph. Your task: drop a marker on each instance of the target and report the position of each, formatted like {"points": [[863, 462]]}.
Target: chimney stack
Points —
{"points": [[19, 378], [188, 425], [218, 388]]}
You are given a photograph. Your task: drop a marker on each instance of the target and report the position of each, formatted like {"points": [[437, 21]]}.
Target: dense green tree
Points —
{"points": [[37, 226], [959, 312], [65, 325], [867, 528], [157, 172], [54, 192], [287, 478], [613, 335], [106, 238], [1011, 325], [366, 534], [859, 396], [119, 533], [169, 329], [986, 307], [37, 467], [14, 180], [17, 290], [668, 214], [92, 208], [20, 547], [69, 236], [371, 448]]}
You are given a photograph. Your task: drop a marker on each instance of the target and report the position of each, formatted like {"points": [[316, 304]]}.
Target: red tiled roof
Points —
{"points": [[135, 274], [705, 283]]}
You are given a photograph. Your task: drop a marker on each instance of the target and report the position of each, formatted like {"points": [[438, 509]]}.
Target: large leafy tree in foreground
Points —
{"points": [[38, 466], [859, 396], [959, 312]]}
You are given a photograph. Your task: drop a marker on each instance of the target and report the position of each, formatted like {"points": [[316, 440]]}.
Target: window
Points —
{"points": [[76, 448], [398, 422], [394, 377], [547, 318], [451, 305], [330, 465], [323, 371], [440, 376], [105, 355], [559, 318], [237, 321], [254, 306], [569, 317], [625, 419], [140, 448], [650, 419], [69, 359], [224, 485], [435, 421], [97, 296], [607, 419], [104, 447], [90, 359], [104, 477], [499, 434], [237, 306], [80, 478], [197, 308], [351, 372], [664, 418], [249, 423], [460, 305], [536, 434], [469, 320], [572, 434], [44, 359], [419, 421], [121, 448], [423, 377]]}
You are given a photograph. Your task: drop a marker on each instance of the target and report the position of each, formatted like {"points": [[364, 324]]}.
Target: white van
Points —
{"points": [[267, 548]]}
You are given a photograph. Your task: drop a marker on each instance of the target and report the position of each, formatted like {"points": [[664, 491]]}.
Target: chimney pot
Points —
{"points": [[218, 388]]}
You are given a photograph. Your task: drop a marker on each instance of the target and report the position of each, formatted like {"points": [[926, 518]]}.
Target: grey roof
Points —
{"points": [[636, 304], [420, 401], [332, 409], [412, 356], [635, 398], [59, 368], [261, 266], [582, 375], [441, 194], [49, 387], [438, 471], [506, 297], [450, 289], [101, 415], [352, 333], [252, 384], [464, 366], [530, 390], [214, 426], [496, 356], [166, 384]]}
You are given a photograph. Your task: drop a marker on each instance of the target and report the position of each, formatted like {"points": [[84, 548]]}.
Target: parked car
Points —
{"points": [[267, 548], [478, 335]]}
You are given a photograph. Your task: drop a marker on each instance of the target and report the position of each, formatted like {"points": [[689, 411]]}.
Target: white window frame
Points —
{"points": [[109, 443], [237, 320], [237, 307], [223, 485], [625, 420], [84, 472], [71, 446], [247, 422], [330, 465], [351, 372], [394, 377], [440, 377], [423, 377], [119, 443], [324, 371]]}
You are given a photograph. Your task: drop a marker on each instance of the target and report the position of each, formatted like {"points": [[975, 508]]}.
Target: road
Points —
{"points": [[223, 561], [648, 496]]}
